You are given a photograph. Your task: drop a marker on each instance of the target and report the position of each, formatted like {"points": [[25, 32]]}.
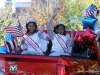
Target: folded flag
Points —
{"points": [[15, 31]]}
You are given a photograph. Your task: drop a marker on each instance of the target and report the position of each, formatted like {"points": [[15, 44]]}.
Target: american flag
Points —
{"points": [[16, 30], [90, 11]]}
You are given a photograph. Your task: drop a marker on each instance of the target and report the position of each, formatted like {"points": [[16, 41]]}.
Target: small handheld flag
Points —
{"points": [[16, 30]]}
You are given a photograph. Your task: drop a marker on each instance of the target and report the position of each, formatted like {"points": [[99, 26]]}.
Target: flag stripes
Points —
{"points": [[15, 31]]}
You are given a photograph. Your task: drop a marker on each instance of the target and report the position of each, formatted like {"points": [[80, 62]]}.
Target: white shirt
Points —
{"points": [[27, 46], [56, 46], [57, 49]]}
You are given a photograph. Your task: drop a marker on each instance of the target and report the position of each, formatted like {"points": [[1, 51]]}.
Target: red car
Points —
{"points": [[76, 64]]}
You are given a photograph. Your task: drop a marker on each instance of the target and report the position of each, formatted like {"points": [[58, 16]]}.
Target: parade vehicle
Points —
{"points": [[78, 63]]}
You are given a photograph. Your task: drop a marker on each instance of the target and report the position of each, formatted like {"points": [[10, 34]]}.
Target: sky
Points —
{"points": [[2, 2], [21, 0], [16, 0]]}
